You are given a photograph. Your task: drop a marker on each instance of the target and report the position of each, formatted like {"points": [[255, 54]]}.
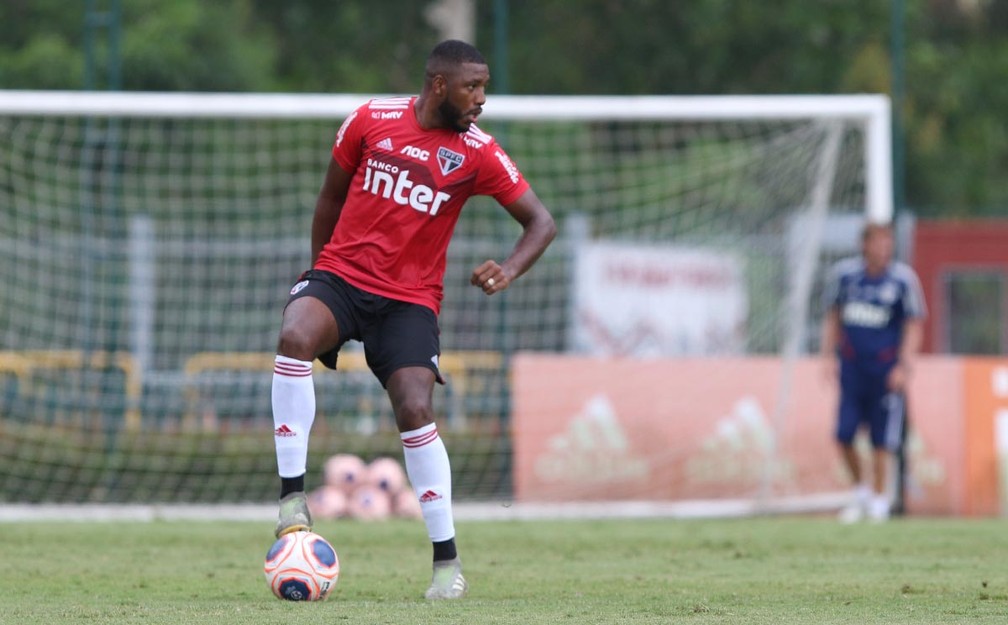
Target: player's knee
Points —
{"points": [[413, 413], [295, 342], [845, 437]]}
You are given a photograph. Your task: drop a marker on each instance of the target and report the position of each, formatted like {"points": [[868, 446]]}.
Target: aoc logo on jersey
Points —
{"points": [[392, 182], [415, 152]]}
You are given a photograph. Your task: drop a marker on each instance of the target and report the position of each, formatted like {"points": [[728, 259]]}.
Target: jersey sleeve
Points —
{"points": [[499, 177], [348, 148], [913, 295]]}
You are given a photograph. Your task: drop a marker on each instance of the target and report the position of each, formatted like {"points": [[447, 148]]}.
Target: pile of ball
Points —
{"points": [[366, 491]]}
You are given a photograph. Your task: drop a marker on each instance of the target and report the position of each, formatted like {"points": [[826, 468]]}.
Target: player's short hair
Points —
{"points": [[450, 54], [455, 51], [872, 227]]}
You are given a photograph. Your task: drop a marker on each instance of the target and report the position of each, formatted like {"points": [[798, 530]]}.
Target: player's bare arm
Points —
{"points": [[828, 342], [913, 333], [538, 230], [328, 206]]}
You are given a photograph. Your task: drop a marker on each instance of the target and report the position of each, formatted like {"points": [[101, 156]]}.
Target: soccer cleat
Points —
{"points": [[447, 581], [294, 515]]}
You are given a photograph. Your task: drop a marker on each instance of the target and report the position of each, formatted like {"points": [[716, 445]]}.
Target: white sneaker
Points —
{"points": [[852, 513], [857, 507], [447, 581], [878, 509], [856, 510]]}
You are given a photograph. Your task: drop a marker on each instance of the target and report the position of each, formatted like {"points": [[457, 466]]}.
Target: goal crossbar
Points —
{"points": [[511, 107], [872, 109]]}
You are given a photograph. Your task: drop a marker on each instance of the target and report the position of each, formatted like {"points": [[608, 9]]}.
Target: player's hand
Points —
{"points": [[490, 277], [898, 378], [830, 369]]}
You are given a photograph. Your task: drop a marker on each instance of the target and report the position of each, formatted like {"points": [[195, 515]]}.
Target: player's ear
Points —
{"points": [[439, 85]]}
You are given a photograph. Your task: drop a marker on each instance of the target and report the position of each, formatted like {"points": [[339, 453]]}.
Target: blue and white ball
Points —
{"points": [[301, 566]]}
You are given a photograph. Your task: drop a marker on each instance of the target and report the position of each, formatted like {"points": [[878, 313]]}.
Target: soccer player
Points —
{"points": [[871, 333], [401, 170]]}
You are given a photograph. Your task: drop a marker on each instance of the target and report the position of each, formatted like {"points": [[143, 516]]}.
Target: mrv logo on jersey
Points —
{"points": [[392, 182]]}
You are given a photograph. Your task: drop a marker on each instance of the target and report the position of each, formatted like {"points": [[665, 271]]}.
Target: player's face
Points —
{"points": [[878, 247], [465, 95]]}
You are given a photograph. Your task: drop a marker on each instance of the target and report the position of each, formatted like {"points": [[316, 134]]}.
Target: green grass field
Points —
{"points": [[769, 570]]}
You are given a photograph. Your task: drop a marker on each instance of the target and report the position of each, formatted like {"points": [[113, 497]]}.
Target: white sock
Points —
{"points": [[429, 473], [293, 414], [863, 494]]}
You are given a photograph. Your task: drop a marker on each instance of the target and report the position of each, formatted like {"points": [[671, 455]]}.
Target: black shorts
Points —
{"points": [[395, 334]]}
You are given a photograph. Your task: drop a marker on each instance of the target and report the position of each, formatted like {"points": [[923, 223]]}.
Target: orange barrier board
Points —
{"points": [[674, 429]]}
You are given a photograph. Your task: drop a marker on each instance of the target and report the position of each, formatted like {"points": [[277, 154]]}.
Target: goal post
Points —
{"points": [[148, 242]]}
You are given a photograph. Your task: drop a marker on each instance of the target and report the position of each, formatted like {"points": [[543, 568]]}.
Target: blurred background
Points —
{"points": [[943, 61], [147, 258]]}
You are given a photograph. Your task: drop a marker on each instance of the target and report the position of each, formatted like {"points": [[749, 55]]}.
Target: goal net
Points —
{"points": [[148, 242]]}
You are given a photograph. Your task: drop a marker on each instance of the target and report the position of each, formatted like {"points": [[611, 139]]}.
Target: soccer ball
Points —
{"points": [[369, 503], [387, 474], [406, 505], [344, 471], [327, 502], [301, 566]]}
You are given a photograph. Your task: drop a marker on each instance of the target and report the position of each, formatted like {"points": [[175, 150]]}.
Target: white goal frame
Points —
{"points": [[872, 110]]}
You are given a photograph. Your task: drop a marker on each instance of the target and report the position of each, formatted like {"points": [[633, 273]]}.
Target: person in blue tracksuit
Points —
{"points": [[871, 336]]}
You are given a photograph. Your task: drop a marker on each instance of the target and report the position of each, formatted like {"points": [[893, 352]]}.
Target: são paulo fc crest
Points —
{"points": [[887, 293], [449, 161]]}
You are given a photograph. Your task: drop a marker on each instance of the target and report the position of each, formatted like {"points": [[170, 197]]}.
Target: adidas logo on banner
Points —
{"points": [[385, 144], [594, 449], [429, 496], [740, 449], [283, 431]]}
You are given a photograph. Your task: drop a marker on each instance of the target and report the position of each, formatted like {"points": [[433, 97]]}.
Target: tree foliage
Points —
{"points": [[956, 57]]}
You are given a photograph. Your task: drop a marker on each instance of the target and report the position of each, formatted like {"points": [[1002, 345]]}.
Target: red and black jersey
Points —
{"points": [[406, 195]]}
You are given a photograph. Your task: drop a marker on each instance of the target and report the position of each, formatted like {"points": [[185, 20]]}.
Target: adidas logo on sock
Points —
{"points": [[429, 496], [284, 431]]}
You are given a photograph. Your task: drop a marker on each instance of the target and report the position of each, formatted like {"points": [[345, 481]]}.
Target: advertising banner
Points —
{"points": [[637, 300], [599, 429]]}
